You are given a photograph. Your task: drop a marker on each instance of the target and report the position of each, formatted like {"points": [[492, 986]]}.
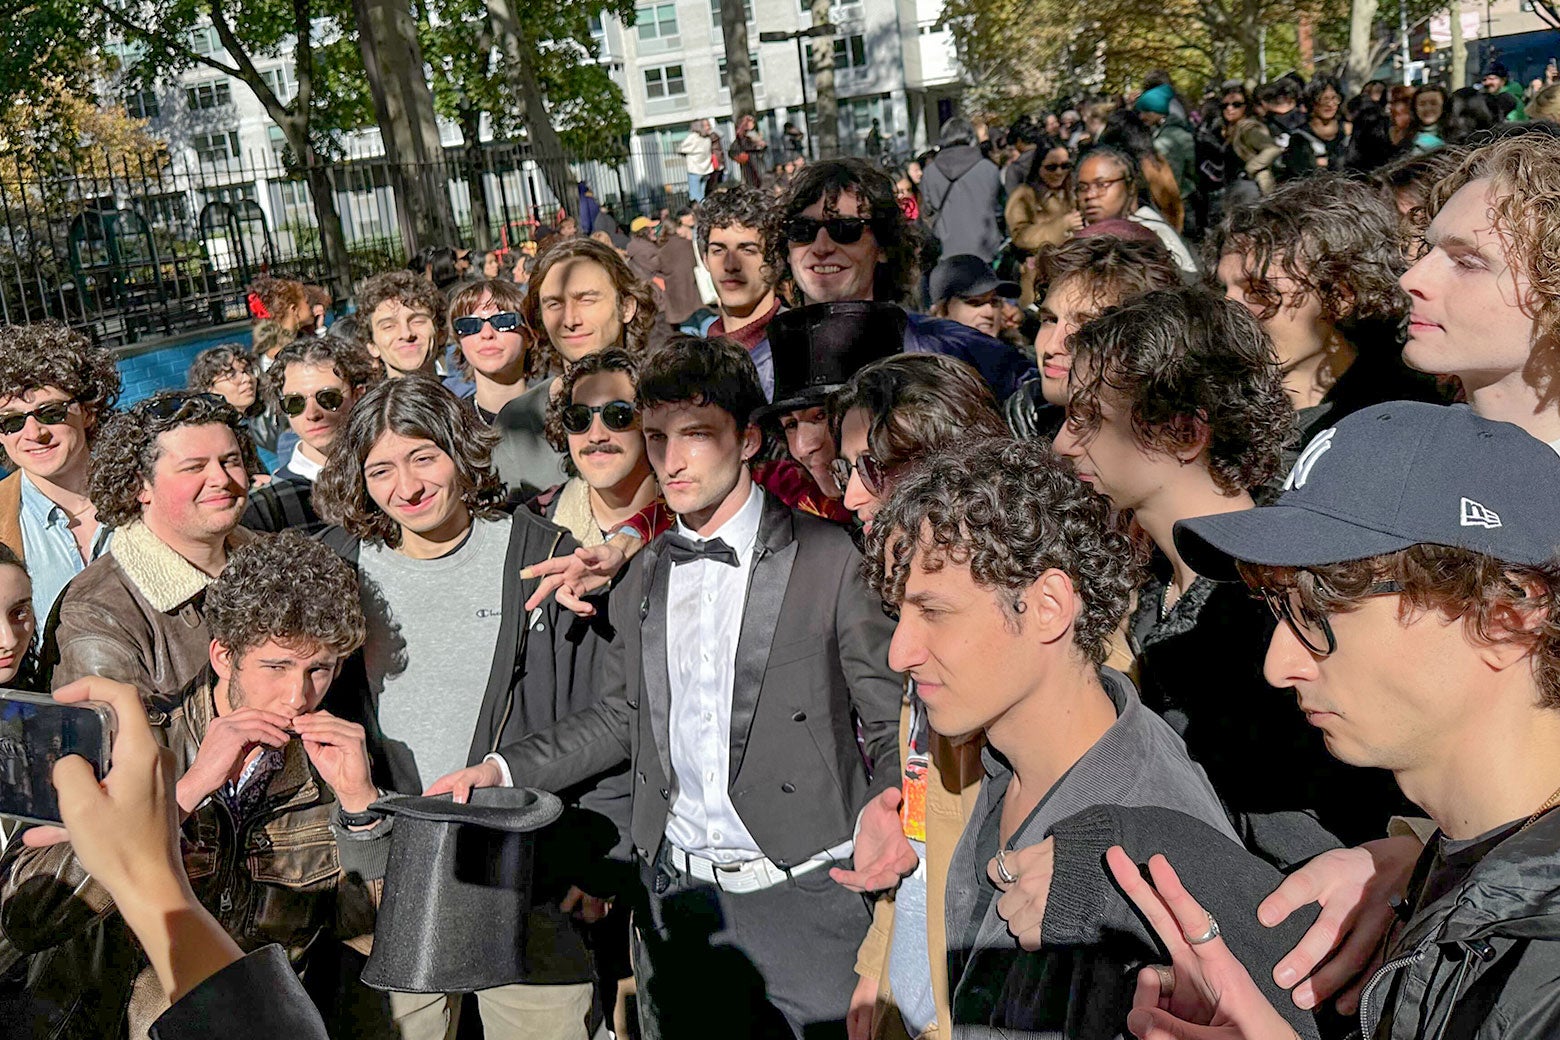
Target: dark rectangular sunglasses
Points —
{"points": [[616, 415], [470, 325], [801, 231], [328, 398], [51, 414]]}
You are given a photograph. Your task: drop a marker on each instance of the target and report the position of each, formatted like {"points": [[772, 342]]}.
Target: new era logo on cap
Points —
{"points": [[1475, 514]]}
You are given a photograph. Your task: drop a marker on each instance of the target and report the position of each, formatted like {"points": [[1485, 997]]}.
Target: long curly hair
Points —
{"points": [[917, 403], [418, 407], [125, 454], [1182, 358], [629, 286], [1009, 511], [874, 192], [50, 354], [290, 588]]}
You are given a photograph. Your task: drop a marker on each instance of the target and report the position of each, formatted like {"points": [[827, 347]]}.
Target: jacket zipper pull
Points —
{"points": [[227, 900]]}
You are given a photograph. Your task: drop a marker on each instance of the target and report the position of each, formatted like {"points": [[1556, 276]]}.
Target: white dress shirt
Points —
{"points": [[705, 601]]}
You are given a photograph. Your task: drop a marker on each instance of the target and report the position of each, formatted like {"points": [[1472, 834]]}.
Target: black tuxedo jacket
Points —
{"points": [[812, 659]]}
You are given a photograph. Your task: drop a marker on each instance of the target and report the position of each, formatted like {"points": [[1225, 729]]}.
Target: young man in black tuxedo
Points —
{"points": [[747, 649]]}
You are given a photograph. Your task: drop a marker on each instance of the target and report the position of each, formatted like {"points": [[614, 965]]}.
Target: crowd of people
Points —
{"points": [[1143, 619]]}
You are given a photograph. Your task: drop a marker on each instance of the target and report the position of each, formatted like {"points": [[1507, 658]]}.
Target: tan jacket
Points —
{"points": [[1036, 219], [952, 784], [11, 514]]}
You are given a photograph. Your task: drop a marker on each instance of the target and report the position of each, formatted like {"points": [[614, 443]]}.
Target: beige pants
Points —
{"points": [[508, 1013]]}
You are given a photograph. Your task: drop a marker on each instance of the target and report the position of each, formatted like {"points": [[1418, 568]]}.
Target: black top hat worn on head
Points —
{"points": [[457, 891], [818, 348]]}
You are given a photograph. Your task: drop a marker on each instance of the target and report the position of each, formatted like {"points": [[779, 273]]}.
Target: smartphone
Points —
{"points": [[35, 732]]}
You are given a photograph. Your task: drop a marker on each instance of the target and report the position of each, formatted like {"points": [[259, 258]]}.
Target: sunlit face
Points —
{"points": [[606, 458], [199, 485], [496, 355], [829, 271], [1428, 107], [46, 451], [865, 503], [237, 386], [417, 485], [1109, 456], [810, 442], [1104, 191], [18, 625], [402, 338], [735, 257], [317, 426], [581, 310], [1466, 319], [698, 455], [982, 313], [1067, 307], [274, 677], [1298, 329], [1055, 168]]}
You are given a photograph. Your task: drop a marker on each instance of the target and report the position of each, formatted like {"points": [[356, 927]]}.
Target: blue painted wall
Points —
{"points": [[164, 367]]}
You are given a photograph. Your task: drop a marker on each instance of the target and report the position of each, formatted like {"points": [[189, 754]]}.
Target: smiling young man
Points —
{"points": [[734, 227], [1484, 305], [55, 389], [404, 316], [171, 475], [747, 654]]}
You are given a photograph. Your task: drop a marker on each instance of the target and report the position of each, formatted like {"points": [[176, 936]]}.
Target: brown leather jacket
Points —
{"points": [[135, 614], [288, 874]]}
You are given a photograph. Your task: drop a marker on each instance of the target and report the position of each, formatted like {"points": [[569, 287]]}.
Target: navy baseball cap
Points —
{"points": [[967, 275], [1388, 477]]}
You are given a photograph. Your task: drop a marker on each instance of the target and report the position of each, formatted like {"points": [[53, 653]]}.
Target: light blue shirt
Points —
{"points": [[50, 549]]}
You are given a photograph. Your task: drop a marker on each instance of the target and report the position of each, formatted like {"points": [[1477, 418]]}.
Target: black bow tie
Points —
{"points": [[681, 550]]}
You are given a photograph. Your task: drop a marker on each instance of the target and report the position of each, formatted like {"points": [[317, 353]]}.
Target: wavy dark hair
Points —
{"points": [[349, 360], [1336, 238], [409, 290], [1179, 359], [917, 403], [1109, 268], [26, 677], [507, 296], [690, 369], [1010, 511], [125, 454], [290, 588], [215, 362], [874, 190], [50, 354], [1408, 180], [612, 359], [736, 204], [419, 407], [636, 331]]}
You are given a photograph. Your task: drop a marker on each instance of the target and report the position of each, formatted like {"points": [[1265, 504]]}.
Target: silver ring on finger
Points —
{"points": [[1007, 876], [1166, 978], [1211, 934]]}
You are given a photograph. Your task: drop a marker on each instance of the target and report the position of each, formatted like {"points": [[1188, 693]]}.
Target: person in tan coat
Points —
{"points": [[1040, 211]]}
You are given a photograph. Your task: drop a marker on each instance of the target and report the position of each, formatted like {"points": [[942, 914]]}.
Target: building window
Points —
{"points": [[851, 53], [725, 80], [281, 82], [211, 94], [219, 147], [664, 81], [747, 8], [143, 104], [656, 21], [205, 40]]}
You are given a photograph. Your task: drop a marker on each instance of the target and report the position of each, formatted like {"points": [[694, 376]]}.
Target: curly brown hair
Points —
{"points": [[349, 360], [1497, 602], [917, 403], [125, 455], [215, 362], [1010, 511], [873, 188], [1110, 269], [636, 332], [411, 291], [420, 407], [1179, 359], [290, 588], [50, 354], [612, 359], [736, 204], [278, 295], [507, 296], [1406, 184], [1336, 239]]}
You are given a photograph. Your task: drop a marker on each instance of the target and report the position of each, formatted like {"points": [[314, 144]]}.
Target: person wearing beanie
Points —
{"points": [[1173, 138], [1497, 80]]}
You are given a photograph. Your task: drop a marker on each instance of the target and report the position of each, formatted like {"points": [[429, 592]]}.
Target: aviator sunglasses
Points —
{"points": [[470, 325], [871, 472], [328, 398], [616, 415]]}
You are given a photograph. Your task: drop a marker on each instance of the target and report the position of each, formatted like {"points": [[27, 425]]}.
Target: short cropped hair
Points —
{"points": [[50, 354], [691, 370], [1177, 358], [1489, 596], [1109, 269], [290, 588], [125, 454], [1010, 511], [874, 191], [736, 204], [419, 407], [1524, 172], [351, 361], [413, 292], [507, 296], [613, 359], [636, 332], [917, 403]]}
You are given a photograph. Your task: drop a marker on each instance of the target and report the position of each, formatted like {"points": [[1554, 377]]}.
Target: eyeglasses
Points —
{"points": [[329, 398], [54, 413], [173, 407], [873, 479], [803, 231], [1087, 188], [1053, 167], [1311, 626], [617, 416], [470, 325]]}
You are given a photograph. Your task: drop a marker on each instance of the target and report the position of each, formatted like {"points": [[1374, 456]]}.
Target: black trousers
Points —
{"points": [[777, 964]]}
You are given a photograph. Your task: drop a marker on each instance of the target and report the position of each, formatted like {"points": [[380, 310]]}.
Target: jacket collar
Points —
{"points": [[165, 578]]}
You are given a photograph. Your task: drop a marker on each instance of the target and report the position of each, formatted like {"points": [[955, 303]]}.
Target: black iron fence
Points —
{"points": [[134, 249]]}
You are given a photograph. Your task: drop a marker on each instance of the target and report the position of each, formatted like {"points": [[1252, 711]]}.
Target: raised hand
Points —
{"points": [[227, 743], [339, 751]]}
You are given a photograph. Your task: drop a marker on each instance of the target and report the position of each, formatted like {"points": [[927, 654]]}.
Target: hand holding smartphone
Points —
{"points": [[37, 731]]}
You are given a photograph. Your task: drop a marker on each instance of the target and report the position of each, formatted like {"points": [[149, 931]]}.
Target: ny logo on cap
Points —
{"points": [[1313, 451], [1477, 515]]}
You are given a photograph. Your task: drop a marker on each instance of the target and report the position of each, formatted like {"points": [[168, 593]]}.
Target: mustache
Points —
{"points": [[601, 449]]}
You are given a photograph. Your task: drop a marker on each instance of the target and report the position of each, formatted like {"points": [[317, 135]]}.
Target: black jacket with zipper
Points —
{"points": [[543, 670]]}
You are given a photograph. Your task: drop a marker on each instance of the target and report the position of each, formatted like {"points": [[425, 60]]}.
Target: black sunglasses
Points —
{"points": [[328, 398], [803, 231], [1311, 626], [616, 415], [470, 325], [1052, 167], [174, 407], [873, 479], [54, 413]]}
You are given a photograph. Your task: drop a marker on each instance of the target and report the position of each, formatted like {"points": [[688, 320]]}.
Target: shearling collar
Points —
{"points": [[165, 578]]}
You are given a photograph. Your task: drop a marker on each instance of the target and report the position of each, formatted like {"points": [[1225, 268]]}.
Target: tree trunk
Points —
{"points": [[476, 180], [1459, 50], [333, 240], [1362, 20], [739, 74], [826, 106], [403, 103], [520, 69], [1251, 41]]}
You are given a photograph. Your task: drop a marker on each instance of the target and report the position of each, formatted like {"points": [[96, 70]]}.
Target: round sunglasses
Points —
{"points": [[54, 413], [617, 416], [328, 398], [471, 324]]}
